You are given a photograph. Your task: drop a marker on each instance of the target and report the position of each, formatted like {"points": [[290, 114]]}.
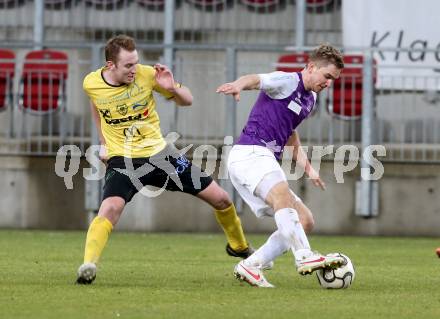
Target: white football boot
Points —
{"points": [[252, 275], [86, 274], [316, 261]]}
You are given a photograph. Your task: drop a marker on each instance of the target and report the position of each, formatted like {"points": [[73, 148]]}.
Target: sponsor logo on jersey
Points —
{"points": [[122, 109], [133, 133], [124, 119], [105, 113], [182, 164], [139, 105], [295, 107]]}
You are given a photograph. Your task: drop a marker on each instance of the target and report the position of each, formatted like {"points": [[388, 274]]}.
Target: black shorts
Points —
{"points": [[168, 170]]}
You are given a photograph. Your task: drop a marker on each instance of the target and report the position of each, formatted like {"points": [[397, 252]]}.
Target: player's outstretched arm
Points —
{"points": [[246, 82], [165, 79]]}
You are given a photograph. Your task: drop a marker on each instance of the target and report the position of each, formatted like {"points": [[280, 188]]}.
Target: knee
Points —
{"points": [[306, 222], [111, 209], [222, 201]]}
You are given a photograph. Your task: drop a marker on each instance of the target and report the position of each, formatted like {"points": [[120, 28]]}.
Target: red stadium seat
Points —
{"points": [[264, 6], [346, 102], [7, 71], [43, 80], [107, 4], [156, 5], [210, 5], [292, 62], [319, 6]]}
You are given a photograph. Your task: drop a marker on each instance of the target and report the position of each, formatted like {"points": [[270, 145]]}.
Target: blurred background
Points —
{"points": [[387, 95]]}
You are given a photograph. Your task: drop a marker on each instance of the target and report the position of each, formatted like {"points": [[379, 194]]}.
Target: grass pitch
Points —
{"points": [[190, 276]]}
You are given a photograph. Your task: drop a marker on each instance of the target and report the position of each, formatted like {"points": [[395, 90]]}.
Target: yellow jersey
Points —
{"points": [[129, 120]]}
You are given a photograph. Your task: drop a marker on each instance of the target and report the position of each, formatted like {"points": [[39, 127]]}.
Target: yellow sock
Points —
{"points": [[231, 225], [97, 237]]}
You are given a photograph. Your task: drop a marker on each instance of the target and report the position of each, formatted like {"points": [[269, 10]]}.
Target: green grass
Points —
{"points": [[190, 276]]}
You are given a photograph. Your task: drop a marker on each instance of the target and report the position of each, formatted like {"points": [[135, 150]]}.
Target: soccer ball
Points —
{"points": [[341, 277]]}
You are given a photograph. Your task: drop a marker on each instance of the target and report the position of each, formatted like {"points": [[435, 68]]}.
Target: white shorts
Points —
{"points": [[250, 165]]}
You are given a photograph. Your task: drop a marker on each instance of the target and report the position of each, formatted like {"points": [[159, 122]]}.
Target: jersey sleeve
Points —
{"points": [[166, 94], [86, 85], [278, 85]]}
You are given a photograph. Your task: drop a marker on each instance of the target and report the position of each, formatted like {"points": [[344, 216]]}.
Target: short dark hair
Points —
{"points": [[327, 54], [114, 45]]}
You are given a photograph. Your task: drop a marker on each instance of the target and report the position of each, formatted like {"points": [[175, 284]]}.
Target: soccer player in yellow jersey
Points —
{"points": [[123, 108]]}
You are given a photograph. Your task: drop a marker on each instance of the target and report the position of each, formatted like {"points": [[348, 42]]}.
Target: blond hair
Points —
{"points": [[326, 54]]}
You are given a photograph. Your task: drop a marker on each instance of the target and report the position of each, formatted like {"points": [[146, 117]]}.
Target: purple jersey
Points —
{"points": [[282, 105]]}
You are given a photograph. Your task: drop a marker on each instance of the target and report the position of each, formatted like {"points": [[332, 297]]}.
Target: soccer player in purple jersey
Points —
{"points": [[285, 100]]}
